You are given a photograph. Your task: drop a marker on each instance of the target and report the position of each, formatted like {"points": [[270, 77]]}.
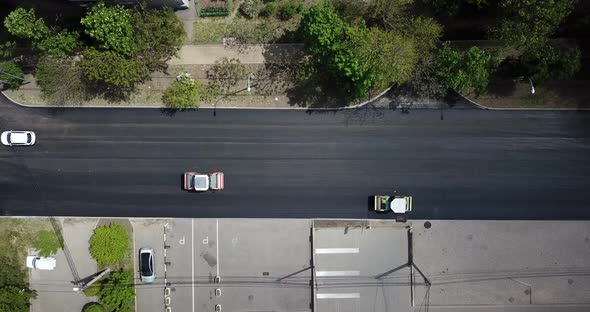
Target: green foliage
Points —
{"points": [[551, 62], [109, 243], [118, 292], [356, 58], [24, 24], [528, 24], [112, 27], [268, 10], [425, 33], [14, 299], [226, 73], [288, 10], [12, 273], [159, 35], [92, 290], [113, 69], [423, 81], [182, 93], [464, 71], [60, 80], [214, 11], [452, 7], [250, 8], [7, 49], [389, 57], [59, 44], [94, 307], [46, 243], [10, 74]]}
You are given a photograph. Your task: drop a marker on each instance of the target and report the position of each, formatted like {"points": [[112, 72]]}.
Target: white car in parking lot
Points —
{"points": [[41, 263], [11, 138]]}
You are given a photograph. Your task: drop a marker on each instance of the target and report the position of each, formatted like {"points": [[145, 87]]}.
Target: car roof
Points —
{"points": [[201, 182], [19, 137], [45, 263]]}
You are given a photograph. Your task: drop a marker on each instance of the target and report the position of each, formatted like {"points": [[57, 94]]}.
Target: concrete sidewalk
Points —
{"points": [[247, 54]]}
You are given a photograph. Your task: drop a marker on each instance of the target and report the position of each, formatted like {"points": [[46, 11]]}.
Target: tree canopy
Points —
{"points": [[112, 68], [111, 26], [528, 24], [118, 292], [24, 23], [464, 71]]}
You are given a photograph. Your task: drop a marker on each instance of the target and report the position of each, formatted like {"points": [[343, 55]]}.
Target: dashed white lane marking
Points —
{"points": [[338, 296], [336, 273], [336, 250]]}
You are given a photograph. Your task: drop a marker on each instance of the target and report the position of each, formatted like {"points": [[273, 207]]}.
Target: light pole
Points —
{"points": [[250, 76], [531, 82]]}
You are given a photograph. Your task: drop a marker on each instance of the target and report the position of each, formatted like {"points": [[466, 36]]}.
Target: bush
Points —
{"points": [[182, 93], [15, 299], [25, 24], [118, 292], [111, 26], [46, 243], [250, 8], [109, 243], [214, 11], [288, 10], [111, 68], [10, 74], [92, 290], [94, 307], [268, 10]]}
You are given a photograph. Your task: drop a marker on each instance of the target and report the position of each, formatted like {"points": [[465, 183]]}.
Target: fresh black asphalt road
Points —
{"points": [[474, 164]]}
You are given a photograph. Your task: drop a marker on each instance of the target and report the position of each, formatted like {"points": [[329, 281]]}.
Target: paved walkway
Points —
{"points": [[247, 54]]}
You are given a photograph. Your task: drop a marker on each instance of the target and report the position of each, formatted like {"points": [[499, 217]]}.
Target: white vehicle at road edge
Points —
{"points": [[12, 138]]}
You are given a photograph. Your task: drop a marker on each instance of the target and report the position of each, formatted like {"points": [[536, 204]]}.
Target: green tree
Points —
{"points": [[15, 299], [159, 35], [288, 10], [551, 62], [11, 75], [94, 307], [528, 24], [464, 71], [60, 80], [7, 49], [182, 93], [226, 73], [388, 56], [113, 69], [112, 27], [118, 292], [24, 23], [59, 44], [109, 243], [46, 243]]}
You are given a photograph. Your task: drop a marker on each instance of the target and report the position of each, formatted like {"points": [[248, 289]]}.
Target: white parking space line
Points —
{"points": [[336, 250], [336, 273], [193, 261], [217, 242], [338, 296]]}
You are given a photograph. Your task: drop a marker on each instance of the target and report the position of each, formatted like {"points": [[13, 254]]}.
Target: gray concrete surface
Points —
{"points": [[354, 264], [505, 263]]}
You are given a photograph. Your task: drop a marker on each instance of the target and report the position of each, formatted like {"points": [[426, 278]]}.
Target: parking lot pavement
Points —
{"points": [[361, 266], [263, 265], [55, 287], [505, 263], [179, 265], [149, 233]]}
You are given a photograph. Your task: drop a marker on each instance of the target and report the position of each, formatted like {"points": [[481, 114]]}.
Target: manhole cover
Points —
{"points": [[427, 224]]}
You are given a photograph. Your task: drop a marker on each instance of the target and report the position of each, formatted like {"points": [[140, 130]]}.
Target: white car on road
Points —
{"points": [[11, 138]]}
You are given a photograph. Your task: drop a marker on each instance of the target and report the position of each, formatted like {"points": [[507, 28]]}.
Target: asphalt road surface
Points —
{"points": [[473, 164]]}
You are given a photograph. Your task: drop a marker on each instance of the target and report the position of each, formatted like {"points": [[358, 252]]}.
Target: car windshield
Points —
{"points": [[146, 269]]}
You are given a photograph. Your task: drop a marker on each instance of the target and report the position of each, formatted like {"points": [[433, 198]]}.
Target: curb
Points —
{"points": [[355, 106], [480, 106]]}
